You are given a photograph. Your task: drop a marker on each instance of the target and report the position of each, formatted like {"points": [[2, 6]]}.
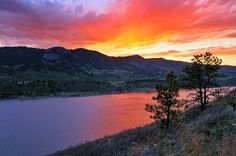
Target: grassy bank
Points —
{"points": [[195, 132]]}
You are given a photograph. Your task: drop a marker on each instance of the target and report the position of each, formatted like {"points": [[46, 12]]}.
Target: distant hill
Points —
{"points": [[83, 63]]}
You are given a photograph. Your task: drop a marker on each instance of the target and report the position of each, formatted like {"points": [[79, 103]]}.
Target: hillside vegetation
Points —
{"points": [[82, 63], [195, 132], [57, 71]]}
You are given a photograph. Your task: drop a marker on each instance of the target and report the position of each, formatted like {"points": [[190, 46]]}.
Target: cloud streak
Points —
{"points": [[115, 26]]}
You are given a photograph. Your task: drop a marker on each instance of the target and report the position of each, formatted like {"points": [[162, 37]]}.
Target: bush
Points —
{"points": [[232, 102]]}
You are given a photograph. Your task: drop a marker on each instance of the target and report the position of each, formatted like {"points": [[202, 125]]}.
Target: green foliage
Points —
{"points": [[143, 83], [167, 107], [202, 74], [31, 88]]}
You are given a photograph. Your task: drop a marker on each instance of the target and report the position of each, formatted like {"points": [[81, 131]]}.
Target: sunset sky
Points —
{"points": [[172, 29]]}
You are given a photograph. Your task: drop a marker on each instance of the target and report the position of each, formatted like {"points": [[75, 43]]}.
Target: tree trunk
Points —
{"points": [[168, 118], [201, 98], [205, 98]]}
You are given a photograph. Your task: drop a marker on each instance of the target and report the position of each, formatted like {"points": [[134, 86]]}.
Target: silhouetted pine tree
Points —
{"points": [[167, 105], [201, 75]]}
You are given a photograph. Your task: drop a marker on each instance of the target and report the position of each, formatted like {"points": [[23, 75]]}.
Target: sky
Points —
{"points": [[172, 29]]}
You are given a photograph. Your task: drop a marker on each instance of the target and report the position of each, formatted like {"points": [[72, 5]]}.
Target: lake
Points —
{"points": [[45, 125]]}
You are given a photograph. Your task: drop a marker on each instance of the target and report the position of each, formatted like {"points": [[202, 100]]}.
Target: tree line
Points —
{"points": [[15, 88]]}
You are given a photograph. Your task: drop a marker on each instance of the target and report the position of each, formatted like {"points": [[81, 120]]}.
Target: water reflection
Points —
{"points": [[42, 126]]}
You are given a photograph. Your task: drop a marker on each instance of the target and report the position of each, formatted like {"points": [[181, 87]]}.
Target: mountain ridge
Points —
{"points": [[89, 63]]}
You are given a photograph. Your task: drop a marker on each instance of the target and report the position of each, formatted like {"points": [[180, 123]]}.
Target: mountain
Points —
{"points": [[83, 63]]}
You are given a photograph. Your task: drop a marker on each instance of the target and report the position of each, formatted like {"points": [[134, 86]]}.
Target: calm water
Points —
{"points": [[42, 126]]}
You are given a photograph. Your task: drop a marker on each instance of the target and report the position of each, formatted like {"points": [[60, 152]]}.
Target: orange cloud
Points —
{"points": [[125, 26], [228, 55]]}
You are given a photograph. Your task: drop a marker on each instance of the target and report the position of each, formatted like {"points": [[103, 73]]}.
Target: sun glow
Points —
{"points": [[164, 28]]}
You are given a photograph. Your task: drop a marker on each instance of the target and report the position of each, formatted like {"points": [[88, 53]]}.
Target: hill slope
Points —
{"points": [[211, 132], [30, 72], [84, 63]]}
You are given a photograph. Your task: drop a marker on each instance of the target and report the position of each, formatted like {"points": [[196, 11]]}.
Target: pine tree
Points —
{"points": [[201, 75], [167, 105]]}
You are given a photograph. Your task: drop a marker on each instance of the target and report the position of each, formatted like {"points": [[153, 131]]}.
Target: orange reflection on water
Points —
{"points": [[114, 113], [125, 111]]}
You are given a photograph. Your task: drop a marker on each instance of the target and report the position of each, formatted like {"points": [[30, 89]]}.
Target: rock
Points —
{"points": [[146, 151]]}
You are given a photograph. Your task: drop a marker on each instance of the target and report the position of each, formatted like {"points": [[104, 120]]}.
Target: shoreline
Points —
{"points": [[75, 94], [181, 136], [86, 94]]}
